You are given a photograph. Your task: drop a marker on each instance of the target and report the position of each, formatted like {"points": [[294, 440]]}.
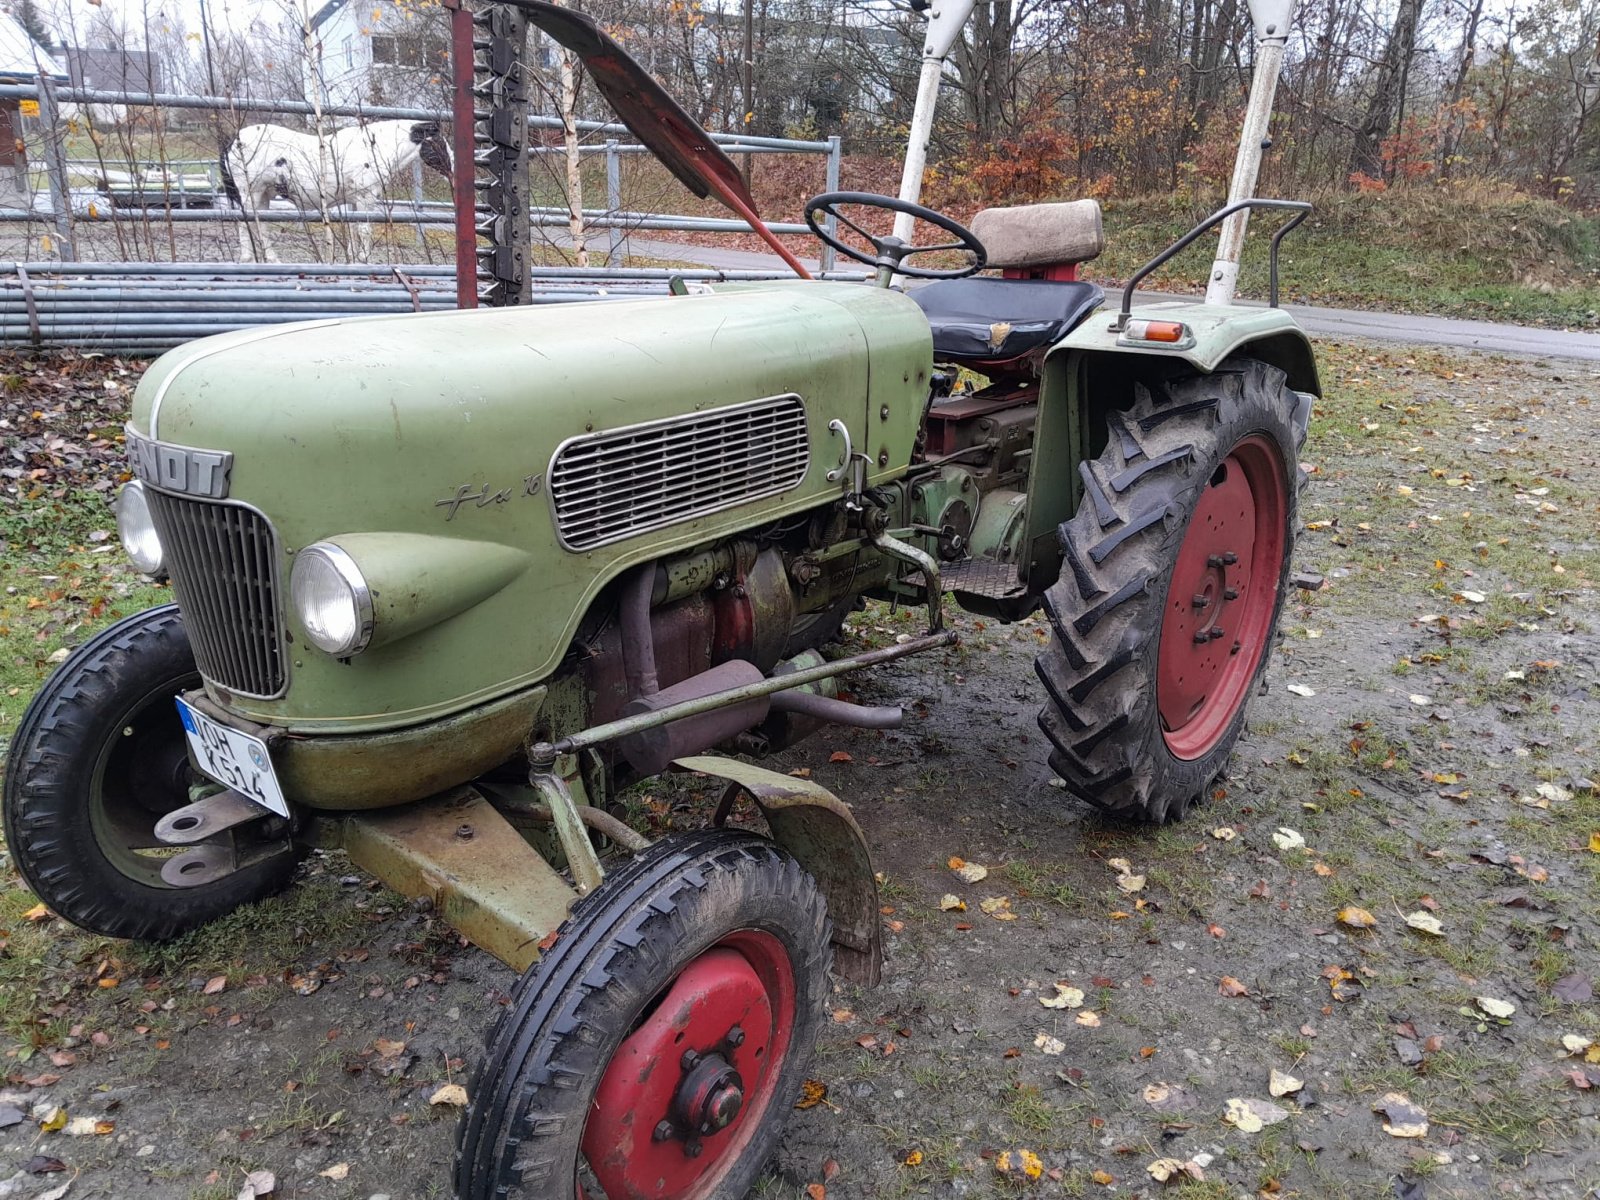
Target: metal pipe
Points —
{"points": [[624, 726], [371, 112], [838, 712], [596, 819], [1271, 20], [638, 638]]}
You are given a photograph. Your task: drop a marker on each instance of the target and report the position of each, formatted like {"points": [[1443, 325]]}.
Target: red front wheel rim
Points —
{"points": [[1222, 598], [687, 1089]]}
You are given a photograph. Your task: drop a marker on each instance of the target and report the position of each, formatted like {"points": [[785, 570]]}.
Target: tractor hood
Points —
{"points": [[490, 471]]}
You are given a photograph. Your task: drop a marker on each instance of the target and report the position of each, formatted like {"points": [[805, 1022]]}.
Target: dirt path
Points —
{"points": [[1437, 757]]}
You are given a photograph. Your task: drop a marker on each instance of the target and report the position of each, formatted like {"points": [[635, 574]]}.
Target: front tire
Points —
{"points": [[686, 990], [1175, 570], [99, 758]]}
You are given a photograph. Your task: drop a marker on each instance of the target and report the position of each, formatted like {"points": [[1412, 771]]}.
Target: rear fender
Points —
{"points": [[1090, 371], [814, 825]]}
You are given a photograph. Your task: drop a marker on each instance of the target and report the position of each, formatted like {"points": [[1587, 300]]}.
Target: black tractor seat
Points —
{"points": [[988, 319]]}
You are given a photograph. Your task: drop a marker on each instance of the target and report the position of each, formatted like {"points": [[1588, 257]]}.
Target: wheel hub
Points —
{"points": [[685, 1087], [1222, 598]]}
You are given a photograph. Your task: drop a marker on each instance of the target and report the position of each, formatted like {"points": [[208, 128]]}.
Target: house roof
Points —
{"points": [[327, 12], [22, 58]]}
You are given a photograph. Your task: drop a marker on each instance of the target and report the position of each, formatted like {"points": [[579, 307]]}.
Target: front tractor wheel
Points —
{"points": [[656, 1048], [1175, 568], [99, 758]]}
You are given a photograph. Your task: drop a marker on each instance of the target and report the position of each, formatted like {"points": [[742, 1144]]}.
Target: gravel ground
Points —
{"points": [[1427, 748]]}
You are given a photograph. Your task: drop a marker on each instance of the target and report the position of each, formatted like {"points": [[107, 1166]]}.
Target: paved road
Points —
{"points": [[1433, 331]]}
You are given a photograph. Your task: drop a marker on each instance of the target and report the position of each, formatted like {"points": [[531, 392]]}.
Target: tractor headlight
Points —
{"points": [[137, 530], [332, 599]]}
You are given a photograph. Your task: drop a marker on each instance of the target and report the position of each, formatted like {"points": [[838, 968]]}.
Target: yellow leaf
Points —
{"points": [[55, 1120], [37, 913], [1356, 918], [1089, 1020], [1103, 1179], [811, 1093], [452, 1094], [914, 1159], [1066, 996], [1594, 842]]}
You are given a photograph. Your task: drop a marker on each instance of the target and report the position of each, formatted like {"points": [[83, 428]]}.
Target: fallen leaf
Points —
{"points": [[57, 1192], [952, 903], [452, 1094], [1129, 884], [914, 1159], [1288, 839], [812, 1093], [1216, 931], [38, 913], [1224, 833], [1419, 699], [1066, 996], [1281, 1083], [43, 1164], [1229, 986], [1046, 1044], [1356, 918], [1576, 988], [1402, 1119], [1496, 1008], [843, 1016], [1575, 1043], [214, 985], [388, 1047], [1553, 793], [998, 907], [1425, 923], [1103, 1178], [1322, 869], [1089, 1019], [816, 1191], [339, 1170], [1251, 1116], [1165, 1169], [1024, 1164], [1300, 689], [1166, 1097], [54, 1120], [971, 872], [839, 756], [257, 1184]]}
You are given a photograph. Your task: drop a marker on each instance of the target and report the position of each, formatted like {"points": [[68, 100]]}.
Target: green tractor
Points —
{"points": [[447, 583]]}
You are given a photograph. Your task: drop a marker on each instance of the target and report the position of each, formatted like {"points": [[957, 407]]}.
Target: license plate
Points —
{"points": [[236, 760]]}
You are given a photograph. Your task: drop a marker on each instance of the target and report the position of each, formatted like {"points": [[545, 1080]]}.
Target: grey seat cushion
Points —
{"points": [[1037, 235]]}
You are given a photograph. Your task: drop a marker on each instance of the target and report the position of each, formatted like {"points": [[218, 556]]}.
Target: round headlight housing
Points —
{"points": [[332, 600], [137, 530]]}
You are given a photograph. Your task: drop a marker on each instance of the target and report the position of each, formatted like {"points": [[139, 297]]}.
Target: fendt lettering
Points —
{"points": [[179, 468]]}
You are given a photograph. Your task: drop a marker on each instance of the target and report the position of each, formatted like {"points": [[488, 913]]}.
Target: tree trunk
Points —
{"points": [[569, 126], [1454, 122], [1366, 153]]}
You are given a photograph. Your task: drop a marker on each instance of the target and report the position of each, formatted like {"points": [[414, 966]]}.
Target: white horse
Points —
{"points": [[350, 167]]}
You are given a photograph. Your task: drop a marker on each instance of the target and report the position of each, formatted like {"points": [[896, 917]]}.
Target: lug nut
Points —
{"points": [[1201, 601], [1202, 636], [1230, 593], [464, 832], [1236, 648], [1229, 558], [688, 1060], [1214, 560], [692, 1149], [663, 1132], [735, 1037]]}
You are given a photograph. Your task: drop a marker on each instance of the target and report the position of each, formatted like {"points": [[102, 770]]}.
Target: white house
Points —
{"points": [[378, 52]]}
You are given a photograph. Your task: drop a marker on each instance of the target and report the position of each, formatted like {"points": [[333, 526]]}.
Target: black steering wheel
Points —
{"points": [[891, 251]]}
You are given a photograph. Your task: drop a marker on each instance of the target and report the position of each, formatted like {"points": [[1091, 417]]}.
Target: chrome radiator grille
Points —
{"points": [[223, 559], [608, 486]]}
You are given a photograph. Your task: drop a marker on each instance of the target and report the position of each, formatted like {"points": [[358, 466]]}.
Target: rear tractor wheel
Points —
{"points": [[1174, 574], [657, 1047]]}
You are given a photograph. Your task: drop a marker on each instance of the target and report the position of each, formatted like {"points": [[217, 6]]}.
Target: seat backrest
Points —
{"points": [[1041, 235]]}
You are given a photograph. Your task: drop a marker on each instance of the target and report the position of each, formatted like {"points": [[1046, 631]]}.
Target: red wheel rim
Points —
{"points": [[743, 987], [1222, 598]]}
